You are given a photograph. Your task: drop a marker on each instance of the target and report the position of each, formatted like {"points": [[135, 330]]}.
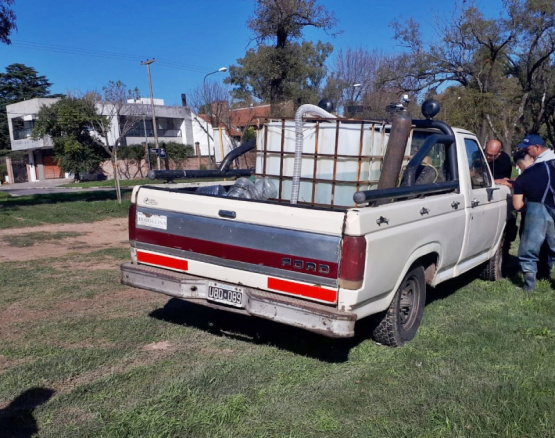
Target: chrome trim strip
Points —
{"points": [[292, 243]]}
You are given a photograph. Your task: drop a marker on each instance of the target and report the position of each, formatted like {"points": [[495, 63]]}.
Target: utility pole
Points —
{"points": [[147, 63]]}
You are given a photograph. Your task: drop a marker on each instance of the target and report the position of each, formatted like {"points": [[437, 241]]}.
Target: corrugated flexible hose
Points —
{"points": [[303, 109]]}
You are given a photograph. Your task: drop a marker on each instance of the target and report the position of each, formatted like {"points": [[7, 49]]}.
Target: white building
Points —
{"points": [[174, 124]]}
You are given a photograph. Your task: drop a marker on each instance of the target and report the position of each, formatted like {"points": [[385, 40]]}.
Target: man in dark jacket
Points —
{"points": [[499, 162]]}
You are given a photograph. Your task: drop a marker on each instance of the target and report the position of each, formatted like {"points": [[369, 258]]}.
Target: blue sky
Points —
{"points": [[81, 45]]}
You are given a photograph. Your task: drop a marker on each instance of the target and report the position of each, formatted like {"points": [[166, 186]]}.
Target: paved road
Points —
{"points": [[43, 187]]}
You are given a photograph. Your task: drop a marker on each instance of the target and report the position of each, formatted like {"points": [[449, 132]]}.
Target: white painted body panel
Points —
{"points": [[282, 216]]}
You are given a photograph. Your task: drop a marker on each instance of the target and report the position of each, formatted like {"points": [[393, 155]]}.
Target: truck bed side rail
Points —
{"points": [[403, 192]]}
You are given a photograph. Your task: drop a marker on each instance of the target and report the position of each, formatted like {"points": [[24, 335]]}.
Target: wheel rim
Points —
{"points": [[408, 304]]}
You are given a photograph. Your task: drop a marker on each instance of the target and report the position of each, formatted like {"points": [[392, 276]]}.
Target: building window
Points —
{"points": [[166, 127], [22, 129]]}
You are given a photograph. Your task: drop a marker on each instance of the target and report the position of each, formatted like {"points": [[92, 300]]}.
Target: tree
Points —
{"points": [[275, 75], [211, 99], [18, 83], [490, 57], [111, 106], [532, 62], [67, 122], [7, 21], [355, 81], [288, 69]]}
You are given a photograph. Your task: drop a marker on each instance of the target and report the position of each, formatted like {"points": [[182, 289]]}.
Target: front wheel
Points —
{"points": [[493, 268], [400, 322]]}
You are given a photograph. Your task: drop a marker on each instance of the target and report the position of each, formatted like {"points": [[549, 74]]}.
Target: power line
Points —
{"points": [[107, 55]]}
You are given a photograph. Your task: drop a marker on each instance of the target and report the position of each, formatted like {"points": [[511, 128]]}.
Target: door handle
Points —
{"points": [[455, 204], [490, 191], [424, 211], [474, 203]]}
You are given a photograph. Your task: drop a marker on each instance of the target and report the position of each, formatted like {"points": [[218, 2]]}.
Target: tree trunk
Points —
{"points": [[116, 176]]}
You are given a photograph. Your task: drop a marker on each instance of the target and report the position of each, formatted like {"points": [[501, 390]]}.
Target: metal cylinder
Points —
{"points": [[393, 159]]}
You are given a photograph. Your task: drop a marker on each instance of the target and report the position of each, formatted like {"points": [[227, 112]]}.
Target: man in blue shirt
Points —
{"points": [[537, 186]]}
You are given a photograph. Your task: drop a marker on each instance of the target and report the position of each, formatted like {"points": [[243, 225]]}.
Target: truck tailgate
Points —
{"points": [[279, 248]]}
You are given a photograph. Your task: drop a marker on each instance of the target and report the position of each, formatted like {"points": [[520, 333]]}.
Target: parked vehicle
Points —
{"points": [[364, 215]]}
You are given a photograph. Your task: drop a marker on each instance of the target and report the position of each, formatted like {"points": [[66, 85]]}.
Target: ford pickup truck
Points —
{"points": [[361, 218]]}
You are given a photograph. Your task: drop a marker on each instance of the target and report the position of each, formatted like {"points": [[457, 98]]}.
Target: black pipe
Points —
{"points": [[402, 192], [235, 153], [438, 124], [447, 130], [195, 173], [431, 141], [222, 172]]}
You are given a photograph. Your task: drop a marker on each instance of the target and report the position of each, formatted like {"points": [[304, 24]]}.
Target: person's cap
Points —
{"points": [[531, 140]]}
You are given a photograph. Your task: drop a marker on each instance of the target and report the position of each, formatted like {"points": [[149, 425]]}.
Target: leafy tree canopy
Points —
{"points": [[69, 123], [21, 82], [288, 69], [284, 20], [509, 61], [294, 72], [7, 21]]}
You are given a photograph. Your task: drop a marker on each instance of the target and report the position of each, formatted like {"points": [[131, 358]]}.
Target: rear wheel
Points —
{"points": [[400, 322]]}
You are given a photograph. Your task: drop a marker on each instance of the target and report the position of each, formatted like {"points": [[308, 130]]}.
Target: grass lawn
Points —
{"points": [[59, 208], [81, 355]]}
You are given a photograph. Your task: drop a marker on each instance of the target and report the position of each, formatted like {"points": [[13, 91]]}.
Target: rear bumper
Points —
{"points": [[286, 310]]}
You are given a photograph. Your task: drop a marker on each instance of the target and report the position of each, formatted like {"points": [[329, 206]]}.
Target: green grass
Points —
{"points": [[482, 364], [57, 208]]}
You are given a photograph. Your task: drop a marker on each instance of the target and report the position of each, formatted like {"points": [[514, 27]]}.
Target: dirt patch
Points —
{"points": [[6, 363], [111, 233], [143, 357], [163, 345], [123, 302]]}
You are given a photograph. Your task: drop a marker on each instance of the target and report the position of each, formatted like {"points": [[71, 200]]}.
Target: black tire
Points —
{"points": [[400, 322], [493, 269]]}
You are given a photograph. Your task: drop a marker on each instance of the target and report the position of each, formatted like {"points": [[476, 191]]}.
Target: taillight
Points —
{"points": [[353, 257], [132, 221]]}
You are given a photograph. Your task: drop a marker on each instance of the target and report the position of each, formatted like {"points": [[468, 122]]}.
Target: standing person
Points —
{"points": [[536, 148], [523, 160], [537, 186], [499, 162], [501, 168]]}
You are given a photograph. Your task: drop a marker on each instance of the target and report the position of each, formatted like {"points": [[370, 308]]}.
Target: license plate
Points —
{"points": [[226, 294]]}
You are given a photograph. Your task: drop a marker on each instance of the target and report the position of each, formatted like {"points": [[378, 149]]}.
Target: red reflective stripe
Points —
{"points": [[304, 290], [160, 260]]}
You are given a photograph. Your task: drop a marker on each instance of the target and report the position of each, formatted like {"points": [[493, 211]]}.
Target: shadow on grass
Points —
{"points": [[16, 419], [261, 331], [299, 341], [55, 198]]}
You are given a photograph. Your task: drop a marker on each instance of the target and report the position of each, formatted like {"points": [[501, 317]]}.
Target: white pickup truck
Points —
{"points": [[333, 245]]}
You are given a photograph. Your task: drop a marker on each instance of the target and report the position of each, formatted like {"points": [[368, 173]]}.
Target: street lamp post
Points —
{"points": [[222, 70]]}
